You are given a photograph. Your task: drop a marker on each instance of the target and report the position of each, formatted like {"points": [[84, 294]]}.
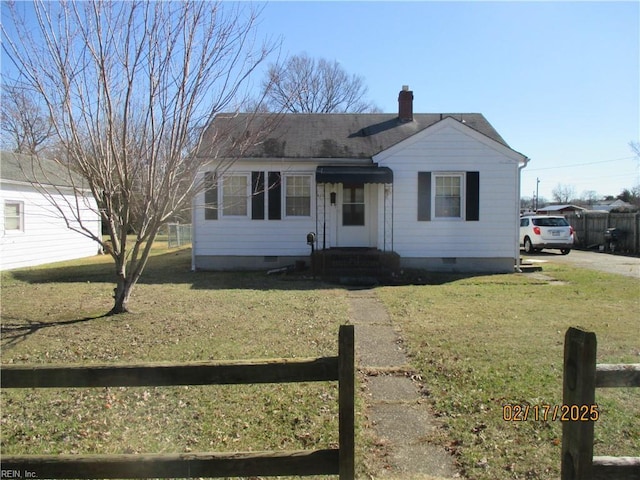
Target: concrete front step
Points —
{"points": [[351, 264]]}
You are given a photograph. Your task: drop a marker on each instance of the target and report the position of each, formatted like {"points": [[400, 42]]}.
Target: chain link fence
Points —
{"points": [[178, 234]]}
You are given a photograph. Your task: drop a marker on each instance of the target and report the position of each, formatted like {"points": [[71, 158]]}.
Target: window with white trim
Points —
{"points": [[234, 195], [298, 195], [13, 216], [448, 195]]}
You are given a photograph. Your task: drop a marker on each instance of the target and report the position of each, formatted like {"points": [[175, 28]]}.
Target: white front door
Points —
{"points": [[356, 216]]}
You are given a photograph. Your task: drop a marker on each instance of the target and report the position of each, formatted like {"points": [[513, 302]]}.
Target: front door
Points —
{"points": [[355, 220]]}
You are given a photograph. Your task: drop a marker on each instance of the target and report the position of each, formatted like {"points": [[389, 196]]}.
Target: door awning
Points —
{"points": [[354, 174]]}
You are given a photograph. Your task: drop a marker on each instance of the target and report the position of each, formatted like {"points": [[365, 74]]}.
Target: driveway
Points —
{"points": [[604, 262]]}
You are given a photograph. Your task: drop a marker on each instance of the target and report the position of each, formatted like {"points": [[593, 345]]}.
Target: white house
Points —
{"points": [[439, 190], [34, 231]]}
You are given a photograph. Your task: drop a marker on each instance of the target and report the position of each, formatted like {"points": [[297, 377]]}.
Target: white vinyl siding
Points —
{"points": [[451, 147], [44, 236], [281, 233]]}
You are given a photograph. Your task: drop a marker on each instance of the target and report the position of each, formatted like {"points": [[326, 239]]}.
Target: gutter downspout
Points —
{"points": [[518, 267]]}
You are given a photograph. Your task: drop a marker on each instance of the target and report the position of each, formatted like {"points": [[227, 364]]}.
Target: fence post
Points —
{"points": [[346, 401], [636, 233], [578, 388]]}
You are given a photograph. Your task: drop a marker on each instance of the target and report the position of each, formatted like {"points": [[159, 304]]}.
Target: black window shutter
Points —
{"points": [[210, 196], [257, 195], [275, 195], [473, 197], [424, 196]]}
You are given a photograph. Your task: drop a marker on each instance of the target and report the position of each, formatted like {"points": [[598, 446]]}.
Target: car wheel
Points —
{"points": [[527, 245], [565, 251]]}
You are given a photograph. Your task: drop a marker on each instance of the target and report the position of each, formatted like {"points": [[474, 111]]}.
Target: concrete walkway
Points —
{"points": [[398, 414]]}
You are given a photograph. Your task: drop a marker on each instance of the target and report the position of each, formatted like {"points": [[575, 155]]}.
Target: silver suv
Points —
{"points": [[543, 231]]}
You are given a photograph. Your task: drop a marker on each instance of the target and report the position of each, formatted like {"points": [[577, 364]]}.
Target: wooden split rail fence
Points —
{"points": [[332, 461], [581, 378]]}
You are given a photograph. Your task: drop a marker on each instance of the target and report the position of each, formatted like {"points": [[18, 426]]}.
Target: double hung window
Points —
{"points": [[234, 195], [448, 196], [298, 195], [13, 216]]}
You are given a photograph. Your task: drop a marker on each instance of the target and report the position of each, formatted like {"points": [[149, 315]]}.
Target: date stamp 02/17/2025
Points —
{"points": [[545, 413]]}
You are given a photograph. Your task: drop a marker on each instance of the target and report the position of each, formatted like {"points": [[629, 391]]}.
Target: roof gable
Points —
{"points": [[338, 136], [464, 128]]}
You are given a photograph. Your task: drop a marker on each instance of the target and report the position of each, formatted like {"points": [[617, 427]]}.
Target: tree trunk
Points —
{"points": [[121, 295]]}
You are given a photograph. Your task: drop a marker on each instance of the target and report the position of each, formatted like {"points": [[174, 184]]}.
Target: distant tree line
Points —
{"points": [[566, 195]]}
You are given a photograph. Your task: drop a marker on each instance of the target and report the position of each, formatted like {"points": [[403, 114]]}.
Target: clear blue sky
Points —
{"points": [[560, 81]]}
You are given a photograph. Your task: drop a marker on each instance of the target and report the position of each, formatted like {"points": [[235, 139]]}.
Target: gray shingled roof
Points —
{"points": [[18, 167], [343, 135]]}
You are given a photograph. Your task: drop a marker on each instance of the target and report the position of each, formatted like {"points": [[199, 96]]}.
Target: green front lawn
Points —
{"points": [[52, 314], [478, 343], [484, 342]]}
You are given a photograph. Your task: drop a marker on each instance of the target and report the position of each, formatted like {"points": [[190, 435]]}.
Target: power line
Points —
{"points": [[580, 177], [580, 164]]}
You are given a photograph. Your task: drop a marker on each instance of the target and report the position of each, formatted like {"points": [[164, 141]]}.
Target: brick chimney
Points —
{"points": [[405, 104]]}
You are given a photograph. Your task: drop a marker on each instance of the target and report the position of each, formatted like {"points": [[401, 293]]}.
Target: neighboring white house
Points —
{"points": [[440, 190], [34, 231]]}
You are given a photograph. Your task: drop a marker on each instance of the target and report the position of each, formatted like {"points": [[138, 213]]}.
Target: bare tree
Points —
{"points": [[26, 127], [589, 197], [563, 193], [304, 85], [130, 87]]}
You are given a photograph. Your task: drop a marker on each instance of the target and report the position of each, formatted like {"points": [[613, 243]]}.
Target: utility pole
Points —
{"points": [[537, 187]]}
